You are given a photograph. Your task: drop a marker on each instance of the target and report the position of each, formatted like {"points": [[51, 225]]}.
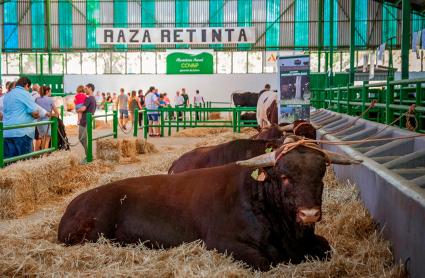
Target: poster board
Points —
{"points": [[190, 62], [294, 88]]}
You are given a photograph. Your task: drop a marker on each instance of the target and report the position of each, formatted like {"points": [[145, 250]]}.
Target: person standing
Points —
{"points": [[179, 102], [134, 104], [35, 91], [198, 100], [142, 103], [20, 108], [152, 103], [44, 132], [122, 104], [88, 107], [185, 97]]}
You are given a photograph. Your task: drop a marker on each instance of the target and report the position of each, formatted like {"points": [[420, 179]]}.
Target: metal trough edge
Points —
{"points": [[396, 204]]}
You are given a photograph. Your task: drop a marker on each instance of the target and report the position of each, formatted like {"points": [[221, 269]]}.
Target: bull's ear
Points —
{"points": [[337, 158]]}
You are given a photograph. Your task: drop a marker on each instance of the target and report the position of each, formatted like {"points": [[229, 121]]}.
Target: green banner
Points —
{"points": [[186, 63]]}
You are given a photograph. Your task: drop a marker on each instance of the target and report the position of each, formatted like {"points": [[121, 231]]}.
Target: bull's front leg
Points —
{"points": [[319, 248], [241, 252]]}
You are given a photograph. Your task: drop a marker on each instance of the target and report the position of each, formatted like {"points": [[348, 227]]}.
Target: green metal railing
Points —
{"points": [[393, 98], [90, 138], [192, 117], [54, 140]]}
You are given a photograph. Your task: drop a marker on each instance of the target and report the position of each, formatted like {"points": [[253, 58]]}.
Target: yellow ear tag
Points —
{"points": [[258, 175], [269, 150]]}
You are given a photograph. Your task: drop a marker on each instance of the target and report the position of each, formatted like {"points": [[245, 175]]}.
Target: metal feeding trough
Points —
{"points": [[391, 179]]}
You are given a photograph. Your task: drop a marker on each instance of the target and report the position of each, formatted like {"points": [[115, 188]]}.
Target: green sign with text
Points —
{"points": [[186, 63]]}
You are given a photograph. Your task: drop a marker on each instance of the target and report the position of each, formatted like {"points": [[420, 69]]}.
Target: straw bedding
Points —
{"points": [[200, 132], [26, 185], [29, 246]]}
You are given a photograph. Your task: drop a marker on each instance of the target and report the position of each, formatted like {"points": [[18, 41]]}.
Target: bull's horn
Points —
{"points": [[337, 158], [264, 160], [287, 127]]}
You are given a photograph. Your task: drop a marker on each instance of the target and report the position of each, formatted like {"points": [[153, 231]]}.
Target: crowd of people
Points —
{"points": [[127, 103]]}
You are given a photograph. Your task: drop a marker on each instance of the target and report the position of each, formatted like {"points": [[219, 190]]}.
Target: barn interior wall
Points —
{"points": [[215, 87]]}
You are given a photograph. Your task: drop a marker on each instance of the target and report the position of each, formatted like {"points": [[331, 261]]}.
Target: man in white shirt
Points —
{"points": [[179, 102], [198, 100], [152, 103]]}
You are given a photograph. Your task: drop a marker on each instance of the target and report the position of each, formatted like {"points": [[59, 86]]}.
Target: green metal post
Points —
{"points": [[331, 41], [62, 112], [169, 122], [115, 124], [320, 31], [1, 146], [418, 103], [338, 99], [352, 38], [145, 124], [184, 117], [106, 111], [238, 119], [162, 122], [364, 97], [54, 133], [405, 39], [326, 64], [49, 36], [190, 115], [136, 122], [89, 157], [348, 100]]}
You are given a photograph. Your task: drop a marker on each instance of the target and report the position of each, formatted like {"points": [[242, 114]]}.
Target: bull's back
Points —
{"points": [[218, 155]]}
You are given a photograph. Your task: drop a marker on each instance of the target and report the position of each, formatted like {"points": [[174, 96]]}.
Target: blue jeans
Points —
{"points": [[14, 146]]}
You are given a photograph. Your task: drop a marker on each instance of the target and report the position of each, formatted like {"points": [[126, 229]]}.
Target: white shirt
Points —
{"points": [[179, 100], [35, 95], [150, 102], [198, 99]]}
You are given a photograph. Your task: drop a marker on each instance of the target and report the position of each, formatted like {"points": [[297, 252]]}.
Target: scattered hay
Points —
{"points": [[144, 147], [119, 150], [28, 185], [200, 132], [215, 116]]}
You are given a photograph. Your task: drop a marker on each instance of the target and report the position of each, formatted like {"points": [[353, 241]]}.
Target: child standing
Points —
{"points": [[79, 99]]}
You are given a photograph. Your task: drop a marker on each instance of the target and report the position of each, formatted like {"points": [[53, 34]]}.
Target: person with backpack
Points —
{"points": [[134, 104]]}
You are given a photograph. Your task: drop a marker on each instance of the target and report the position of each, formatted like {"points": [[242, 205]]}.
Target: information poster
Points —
{"points": [[294, 92], [190, 62]]}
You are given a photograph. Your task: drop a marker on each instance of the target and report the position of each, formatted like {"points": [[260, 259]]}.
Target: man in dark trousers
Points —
{"points": [[88, 107]]}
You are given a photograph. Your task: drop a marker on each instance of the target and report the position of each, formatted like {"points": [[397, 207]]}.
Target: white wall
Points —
{"points": [[214, 87]]}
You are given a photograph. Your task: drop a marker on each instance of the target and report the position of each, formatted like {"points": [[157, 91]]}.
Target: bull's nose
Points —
{"points": [[309, 216]]}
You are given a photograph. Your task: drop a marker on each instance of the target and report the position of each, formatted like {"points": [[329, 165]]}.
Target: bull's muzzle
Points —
{"points": [[309, 215]]}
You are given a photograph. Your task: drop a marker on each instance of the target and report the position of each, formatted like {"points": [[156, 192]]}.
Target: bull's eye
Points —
{"points": [[285, 180]]}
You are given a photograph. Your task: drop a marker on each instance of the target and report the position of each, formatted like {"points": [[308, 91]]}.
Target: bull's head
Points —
{"points": [[299, 174]]}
